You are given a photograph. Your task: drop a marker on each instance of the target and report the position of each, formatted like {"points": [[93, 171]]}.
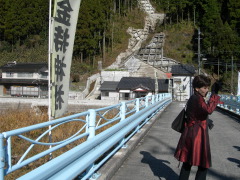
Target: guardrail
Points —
{"points": [[102, 133], [230, 103]]}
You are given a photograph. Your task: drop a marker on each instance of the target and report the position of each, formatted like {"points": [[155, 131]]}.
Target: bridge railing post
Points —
{"points": [[137, 104], [2, 158], [123, 111], [153, 99], [238, 99], [91, 123], [156, 97], [226, 106], [146, 101], [238, 110], [123, 116]]}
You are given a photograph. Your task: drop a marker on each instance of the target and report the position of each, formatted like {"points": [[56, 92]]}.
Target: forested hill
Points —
{"points": [[219, 23], [102, 24], [101, 30]]}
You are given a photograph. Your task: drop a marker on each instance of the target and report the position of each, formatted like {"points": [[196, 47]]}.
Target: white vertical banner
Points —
{"points": [[65, 18], [238, 93]]}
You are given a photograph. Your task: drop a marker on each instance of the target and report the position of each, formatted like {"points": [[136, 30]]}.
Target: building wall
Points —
{"points": [[182, 88], [24, 91], [74, 106], [20, 90], [111, 96], [137, 68], [15, 75], [1, 90], [113, 75]]}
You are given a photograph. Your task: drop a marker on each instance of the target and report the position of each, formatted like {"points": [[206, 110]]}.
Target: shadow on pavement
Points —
{"points": [[237, 147], [237, 161], [159, 167]]}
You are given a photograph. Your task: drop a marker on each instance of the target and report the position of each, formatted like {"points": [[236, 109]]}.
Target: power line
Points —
{"points": [[221, 64]]}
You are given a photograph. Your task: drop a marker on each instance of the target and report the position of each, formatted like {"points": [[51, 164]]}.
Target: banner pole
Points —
{"points": [[49, 69]]}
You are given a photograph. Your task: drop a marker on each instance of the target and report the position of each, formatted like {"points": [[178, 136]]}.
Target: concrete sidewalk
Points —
{"points": [[152, 158]]}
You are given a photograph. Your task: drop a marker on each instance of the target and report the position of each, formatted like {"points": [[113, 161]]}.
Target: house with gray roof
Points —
{"points": [[182, 75], [133, 87], [24, 79], [108, 90]]}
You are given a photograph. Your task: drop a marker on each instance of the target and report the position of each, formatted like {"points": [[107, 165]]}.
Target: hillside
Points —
{"points": [[106, 22], [39, 53], [178, 42]]}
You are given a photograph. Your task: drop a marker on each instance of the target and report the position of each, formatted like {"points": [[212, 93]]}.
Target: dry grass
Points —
{"points": [[14, 119], [17, 119]]}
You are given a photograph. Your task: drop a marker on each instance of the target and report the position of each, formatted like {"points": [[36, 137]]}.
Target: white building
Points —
{"points": [[24, 79], [133, 87], [182, 76]]}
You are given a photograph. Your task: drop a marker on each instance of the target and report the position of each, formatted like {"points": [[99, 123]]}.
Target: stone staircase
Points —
{"points": [[146, 6], [151, 56], [137, 37]]}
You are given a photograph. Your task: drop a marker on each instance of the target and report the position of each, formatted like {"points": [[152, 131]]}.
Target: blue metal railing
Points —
{"points": [[104, 130], [230, 103]]}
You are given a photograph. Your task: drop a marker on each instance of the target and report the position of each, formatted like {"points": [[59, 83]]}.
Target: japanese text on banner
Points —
{"points": [[63, 33]]}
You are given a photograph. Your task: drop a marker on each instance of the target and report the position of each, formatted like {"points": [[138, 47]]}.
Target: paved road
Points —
{"points": [[152, 159]]}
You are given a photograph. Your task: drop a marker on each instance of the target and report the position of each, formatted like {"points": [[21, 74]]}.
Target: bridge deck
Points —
{"points": [[153, 157]]}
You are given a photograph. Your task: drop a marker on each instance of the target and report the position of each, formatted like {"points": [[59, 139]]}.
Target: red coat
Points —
{"points": [[193, 146]]}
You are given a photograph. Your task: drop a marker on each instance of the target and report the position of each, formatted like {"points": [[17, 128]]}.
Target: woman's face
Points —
{"points": [[203, 91]]}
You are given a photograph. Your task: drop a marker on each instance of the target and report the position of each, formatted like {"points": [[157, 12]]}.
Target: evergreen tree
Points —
{"points": [[226, 41], [234, 14], [12, 21], [2, 19], [207, 24], [24, 18]]}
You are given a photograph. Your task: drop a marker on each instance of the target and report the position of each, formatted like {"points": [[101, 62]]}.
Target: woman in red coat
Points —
{"points": [[193, 148]]}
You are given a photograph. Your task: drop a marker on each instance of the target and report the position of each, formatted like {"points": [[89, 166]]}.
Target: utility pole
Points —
{"points": [[156, 82], [199, 54], [162, 55]]}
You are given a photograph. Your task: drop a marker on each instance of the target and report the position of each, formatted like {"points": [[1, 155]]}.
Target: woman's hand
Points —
{"points": [[216, 87]]}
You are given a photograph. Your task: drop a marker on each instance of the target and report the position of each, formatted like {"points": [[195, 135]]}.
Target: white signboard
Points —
{"points": [[63, 34]]}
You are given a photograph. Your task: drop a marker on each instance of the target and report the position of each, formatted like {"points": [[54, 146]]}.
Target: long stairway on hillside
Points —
{"points": [[146, 5]]}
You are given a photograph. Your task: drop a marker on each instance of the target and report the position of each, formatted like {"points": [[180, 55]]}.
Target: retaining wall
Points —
{"points": [[74, 106]]}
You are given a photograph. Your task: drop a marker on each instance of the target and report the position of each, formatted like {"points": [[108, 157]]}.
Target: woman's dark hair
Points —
{"points": [[201, 81]]}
